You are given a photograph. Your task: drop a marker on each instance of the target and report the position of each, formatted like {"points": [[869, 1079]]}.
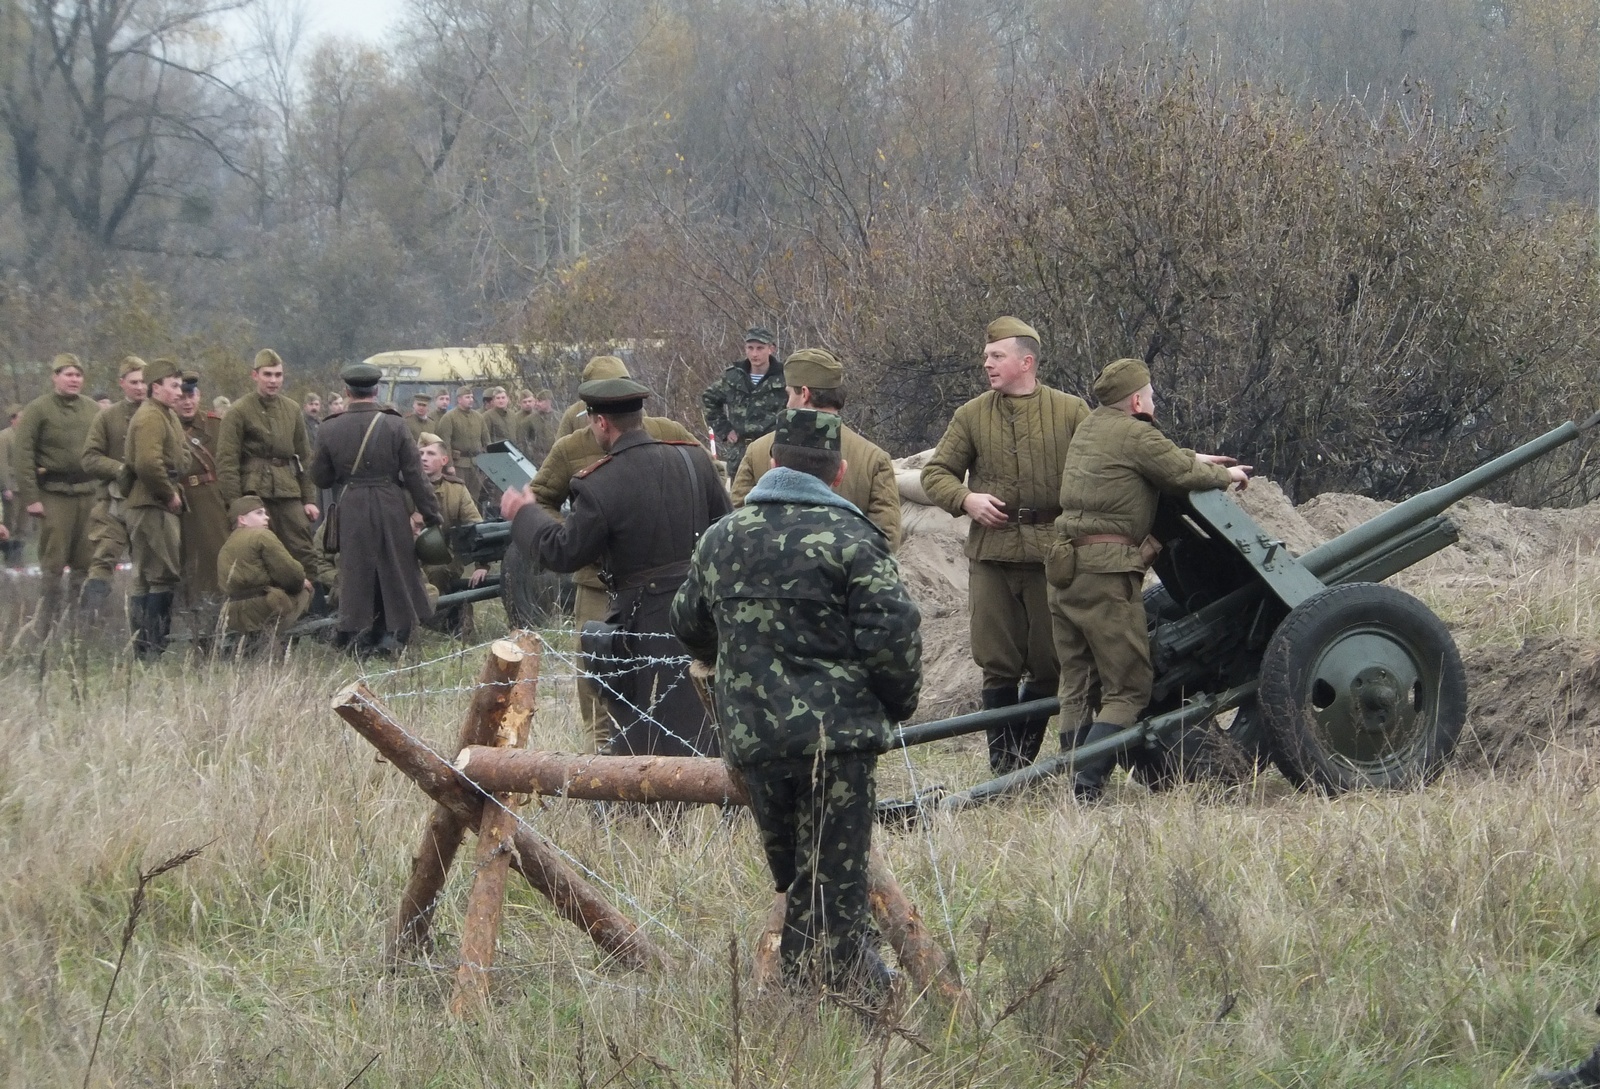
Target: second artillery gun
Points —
{"points": [[1340, 681]]}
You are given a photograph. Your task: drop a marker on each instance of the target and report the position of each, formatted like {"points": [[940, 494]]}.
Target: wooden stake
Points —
{"points": [[576, 900], [901, 923], [766, 962], [508, 723], [602, 778]]}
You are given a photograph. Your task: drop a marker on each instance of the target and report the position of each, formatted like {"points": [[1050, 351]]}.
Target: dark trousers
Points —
{"points": [[815, 816]]}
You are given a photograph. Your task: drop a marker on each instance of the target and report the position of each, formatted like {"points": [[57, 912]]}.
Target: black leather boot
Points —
{"points": [[1002, 758], [96, 593], [1029, 735], [156, 624], [1586, 1073], [1089, 781]]}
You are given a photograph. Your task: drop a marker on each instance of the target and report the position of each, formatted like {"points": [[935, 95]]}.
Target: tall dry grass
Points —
{"points": [[1256, 937]]}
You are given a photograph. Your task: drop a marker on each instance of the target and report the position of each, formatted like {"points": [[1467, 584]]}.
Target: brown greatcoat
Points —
{"points": [[638, 512], [868, 479], [205, 519], [377, 566]]}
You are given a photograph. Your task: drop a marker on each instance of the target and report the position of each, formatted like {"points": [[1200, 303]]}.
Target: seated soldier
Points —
{"points": [[266, 587], [456, 504]]}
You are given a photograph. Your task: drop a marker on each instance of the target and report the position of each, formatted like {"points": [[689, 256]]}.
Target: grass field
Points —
{"points": [[1253, 937]]}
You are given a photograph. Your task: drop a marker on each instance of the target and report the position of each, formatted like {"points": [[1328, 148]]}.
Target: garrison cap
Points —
{"points": [[523, 391], [1119, 379], [604, 366], [759, 334], [63, 361], [808, 427], [813, 367], [428, 438], [494, 391], [244, 505], [129, 364], [361, 376], [1007, 327], [613, 396], [464, 391], [266, 357], [545, 394], [162, 368], [421, 399]]}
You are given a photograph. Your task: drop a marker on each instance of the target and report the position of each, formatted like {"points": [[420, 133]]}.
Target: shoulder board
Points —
{"points": [[213, 415], [582, 474]]}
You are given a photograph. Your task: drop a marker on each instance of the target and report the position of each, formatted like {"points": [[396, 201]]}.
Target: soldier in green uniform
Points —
{"points": [[818, 652], [497, 413], [265, 451], [418, 422], [637, 513], [1118, 465], [601, 368], [999, 463], [47, 460], [745, 401], [102, 459], [457, 509], [266, 587], [156, 459], [465, 434], [551, 487], [814, 379], [536, 428], [12, 548], [205, 515]]}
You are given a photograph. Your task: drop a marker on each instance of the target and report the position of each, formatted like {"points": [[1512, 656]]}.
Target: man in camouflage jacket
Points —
{"points": [[818, 651], [744, 402]]}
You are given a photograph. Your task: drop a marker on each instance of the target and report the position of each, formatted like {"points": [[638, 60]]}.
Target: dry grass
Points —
{"points": [[1259, 937]]}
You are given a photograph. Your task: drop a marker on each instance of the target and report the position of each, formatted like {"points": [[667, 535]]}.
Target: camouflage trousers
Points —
{"points": [[815, 816]]}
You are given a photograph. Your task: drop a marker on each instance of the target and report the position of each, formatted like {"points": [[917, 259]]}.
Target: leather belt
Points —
{"points": [[1034, 516], [248, 595], [1104, 538], [671, 573], [202, 478], [276, 463]]}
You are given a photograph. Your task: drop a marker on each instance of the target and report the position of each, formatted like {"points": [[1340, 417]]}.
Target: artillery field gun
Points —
{"points": [[1338, 680]]}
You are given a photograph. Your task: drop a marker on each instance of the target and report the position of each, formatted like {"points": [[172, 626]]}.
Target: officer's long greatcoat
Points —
{"points": [[376, 561], [638, 512]]}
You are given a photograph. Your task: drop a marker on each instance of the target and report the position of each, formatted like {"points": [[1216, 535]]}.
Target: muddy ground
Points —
{"points": [[1516, 591]]}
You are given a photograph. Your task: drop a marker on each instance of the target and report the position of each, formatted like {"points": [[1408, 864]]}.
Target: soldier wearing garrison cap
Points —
{"points": [[13, 544], [367, 455], [1118, 465], [264, 449], [536, 424], [817, 654], [156, 461], [552, 486], [52, 486], [497, 415], [102, 459], [999, 463], [205, 516], [601, 367], [417, 421], [457, 509], [465, 433], [267, 589], [814, 378], [637, 512], [744, 403]]}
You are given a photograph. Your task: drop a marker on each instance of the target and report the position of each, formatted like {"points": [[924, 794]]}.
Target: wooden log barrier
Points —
{"points": [[536, 859], [496, 830], [697, 779]]}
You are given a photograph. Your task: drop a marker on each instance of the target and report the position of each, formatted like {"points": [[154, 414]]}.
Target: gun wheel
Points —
{"points": [[1362, 686], [532, 596]]}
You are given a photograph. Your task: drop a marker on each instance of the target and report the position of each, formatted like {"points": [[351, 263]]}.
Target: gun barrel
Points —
{"points": [[1347, 546]]}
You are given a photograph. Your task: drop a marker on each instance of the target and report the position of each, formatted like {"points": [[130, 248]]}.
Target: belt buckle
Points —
{"points": [[1025, 515]]}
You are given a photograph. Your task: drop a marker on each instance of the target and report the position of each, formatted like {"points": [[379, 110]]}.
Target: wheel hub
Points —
{"points": [[1366, 695]]}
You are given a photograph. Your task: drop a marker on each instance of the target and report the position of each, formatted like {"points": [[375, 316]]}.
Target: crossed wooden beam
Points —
{"points": [[493, 773]]}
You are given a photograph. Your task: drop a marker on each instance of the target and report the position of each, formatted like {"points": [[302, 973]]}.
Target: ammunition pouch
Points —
{"points": [[1060, 563]]}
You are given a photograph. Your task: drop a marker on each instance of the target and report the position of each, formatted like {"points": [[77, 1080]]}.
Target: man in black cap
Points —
{"points": [[744, 403], [363, 455], [638, 511]]}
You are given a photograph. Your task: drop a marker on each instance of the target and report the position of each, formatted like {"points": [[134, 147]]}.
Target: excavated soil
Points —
{"points": [[1525, 696]]}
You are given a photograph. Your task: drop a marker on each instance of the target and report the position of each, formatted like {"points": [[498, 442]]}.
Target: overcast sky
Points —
{"points": [[367, 19]]}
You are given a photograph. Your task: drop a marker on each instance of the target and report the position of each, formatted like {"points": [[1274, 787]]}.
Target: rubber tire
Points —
{"points": [[532, 596], [1295, 651]]}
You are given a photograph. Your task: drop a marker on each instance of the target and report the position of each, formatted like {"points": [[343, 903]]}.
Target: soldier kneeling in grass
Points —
{"points": [[267, 588]]}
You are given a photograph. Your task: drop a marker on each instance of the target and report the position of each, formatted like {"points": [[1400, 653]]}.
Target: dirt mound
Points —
{"points": [[1264, 501], [1522, 701], [935, 573]]}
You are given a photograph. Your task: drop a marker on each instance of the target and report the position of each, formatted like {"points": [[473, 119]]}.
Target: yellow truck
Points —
{"points": [[425, 370]]}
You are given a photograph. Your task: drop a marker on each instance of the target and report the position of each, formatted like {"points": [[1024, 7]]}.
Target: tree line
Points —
{"points": [[1354, 240]]}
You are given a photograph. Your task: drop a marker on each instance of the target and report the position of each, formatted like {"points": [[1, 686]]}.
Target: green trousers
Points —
{"points": [[1099, 628], [1008, 610], [155, 537]]}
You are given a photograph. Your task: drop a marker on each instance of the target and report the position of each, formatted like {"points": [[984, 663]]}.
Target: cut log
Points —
{"points": [[602, 778], [767, 963], [486, 899], [901, 923], [574, 898], [412, 928]]}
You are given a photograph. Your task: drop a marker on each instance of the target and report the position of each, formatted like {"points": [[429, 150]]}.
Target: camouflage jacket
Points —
{"points": [[731, 403], [816, 643]]}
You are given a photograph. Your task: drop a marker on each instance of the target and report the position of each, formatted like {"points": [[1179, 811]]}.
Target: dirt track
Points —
{"points": [[1512, 569]]}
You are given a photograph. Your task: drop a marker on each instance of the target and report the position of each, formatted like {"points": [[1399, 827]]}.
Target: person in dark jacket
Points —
{"points": [[366, 455], [638, 511], [818, 652], [744, 403]]}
